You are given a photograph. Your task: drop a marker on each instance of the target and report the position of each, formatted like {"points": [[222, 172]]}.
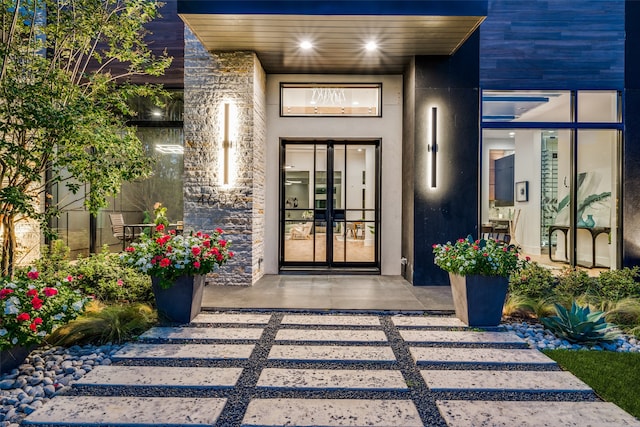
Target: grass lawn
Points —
{"points": [[615, 377]]}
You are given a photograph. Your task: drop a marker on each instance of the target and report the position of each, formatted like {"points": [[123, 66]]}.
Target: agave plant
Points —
{"points": [[580, 325]]}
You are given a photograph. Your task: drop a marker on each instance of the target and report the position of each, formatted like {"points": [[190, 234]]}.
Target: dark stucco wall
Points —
{"points": [[450, 210], [631, 150]]}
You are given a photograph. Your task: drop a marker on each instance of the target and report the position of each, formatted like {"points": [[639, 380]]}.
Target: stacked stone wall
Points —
{"points": [[211, 80]]}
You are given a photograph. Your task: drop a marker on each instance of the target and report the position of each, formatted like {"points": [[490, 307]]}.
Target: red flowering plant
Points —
{"points": [[488, 257], [32, 307], [168, 255]]}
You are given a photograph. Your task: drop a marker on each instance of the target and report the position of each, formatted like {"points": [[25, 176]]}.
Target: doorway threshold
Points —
{"points": [[329, 270]]}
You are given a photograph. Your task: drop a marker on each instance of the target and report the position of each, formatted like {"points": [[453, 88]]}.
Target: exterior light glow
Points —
{"points": [[371, 46], [433, 147], [305, 45], [169, 149]]}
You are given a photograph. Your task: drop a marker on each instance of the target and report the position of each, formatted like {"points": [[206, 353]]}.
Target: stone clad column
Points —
{"points": [[211, 80]]}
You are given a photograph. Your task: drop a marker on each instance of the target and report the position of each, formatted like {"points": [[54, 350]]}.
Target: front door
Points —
{"points": [[329, 206]]}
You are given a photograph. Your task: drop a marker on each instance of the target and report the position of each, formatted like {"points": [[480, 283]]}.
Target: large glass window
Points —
{"points": [[562, 177], [160, 130]]}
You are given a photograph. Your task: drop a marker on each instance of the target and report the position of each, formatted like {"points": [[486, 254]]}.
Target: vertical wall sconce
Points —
{"points": [[226, 145], [433, 147]]}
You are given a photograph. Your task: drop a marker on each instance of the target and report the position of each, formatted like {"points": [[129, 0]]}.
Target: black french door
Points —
{"points": [[329, 205]]}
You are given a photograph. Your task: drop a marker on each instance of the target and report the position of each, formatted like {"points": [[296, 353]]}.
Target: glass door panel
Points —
{"points": [[322, 203], [298, 184], [556, 204]]}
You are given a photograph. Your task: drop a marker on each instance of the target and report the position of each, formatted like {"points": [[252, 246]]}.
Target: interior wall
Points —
{"points": [[387, 128]]}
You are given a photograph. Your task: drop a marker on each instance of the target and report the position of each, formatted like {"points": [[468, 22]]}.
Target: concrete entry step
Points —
{"points": [[331, 379], [330, 320], [461, 337], [428, 321], [184, 351], [330, 335], [484, 356], [331, 412], [160, 376], [464, 413], [243, 318], [533, 381], [165, 333], [129, 411], [329, 353]]}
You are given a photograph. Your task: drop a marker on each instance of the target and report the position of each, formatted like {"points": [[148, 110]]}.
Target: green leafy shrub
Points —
{"points": [[580, 325], [53, 263], [616, 285], [114, 324], [534, 281], [573, 282], [109, 280]]}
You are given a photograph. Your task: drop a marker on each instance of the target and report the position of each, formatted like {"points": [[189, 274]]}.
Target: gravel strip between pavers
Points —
{"points": [[245, 390]]}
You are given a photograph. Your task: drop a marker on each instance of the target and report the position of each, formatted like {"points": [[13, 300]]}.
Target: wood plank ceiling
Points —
{"points": [[338, 41]]}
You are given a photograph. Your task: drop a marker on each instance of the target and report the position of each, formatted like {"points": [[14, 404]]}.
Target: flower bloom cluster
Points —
{"points": [[170, 255], [489, 257], [31, 308]]}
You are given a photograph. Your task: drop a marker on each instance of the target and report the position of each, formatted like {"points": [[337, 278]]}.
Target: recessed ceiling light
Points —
{"points": [[512, 134], [371, 46], [355, 103], [305, 45]]}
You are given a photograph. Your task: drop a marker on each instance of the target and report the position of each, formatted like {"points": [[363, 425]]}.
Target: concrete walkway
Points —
{"points": [[275, 369], [329, 292]]}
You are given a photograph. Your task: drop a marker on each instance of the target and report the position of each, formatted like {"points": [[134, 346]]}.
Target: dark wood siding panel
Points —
{"points": [[568, 44]]}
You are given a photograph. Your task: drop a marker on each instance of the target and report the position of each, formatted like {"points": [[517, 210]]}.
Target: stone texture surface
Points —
{"points": [[130, 411], [259, 319], [330, 335], [203, 333], [461, 337], [491, 356], [295, 319], [428, 321], [191, 377], [449, 380], [185, 351], [325, 412], [331, 353], [332, 379], [465, 413], [212, 79]]}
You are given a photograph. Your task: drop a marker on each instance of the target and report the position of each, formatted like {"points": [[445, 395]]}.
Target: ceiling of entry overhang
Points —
{"points": [[338, 40]]}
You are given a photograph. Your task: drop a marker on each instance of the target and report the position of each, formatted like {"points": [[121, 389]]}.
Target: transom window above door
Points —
{"points": [[331, 99]]}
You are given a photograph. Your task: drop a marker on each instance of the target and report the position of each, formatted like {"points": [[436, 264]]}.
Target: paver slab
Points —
{"points": [[461, 337], [160, 376], [184, 351], [331, 412], [464, 413], [534, 381], [331, 353], [246, 318], [203, 333], [330, 335], [428, 321], [332, 379], [491, 356], [129, 411], [341, 320]]}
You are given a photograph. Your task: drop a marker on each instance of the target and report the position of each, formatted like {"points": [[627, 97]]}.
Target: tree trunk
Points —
{"points": [[8, 244]]}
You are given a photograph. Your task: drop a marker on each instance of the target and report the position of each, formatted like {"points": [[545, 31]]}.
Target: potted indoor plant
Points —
{"points": [[177, 264], [479, 272], [31, 307]]}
